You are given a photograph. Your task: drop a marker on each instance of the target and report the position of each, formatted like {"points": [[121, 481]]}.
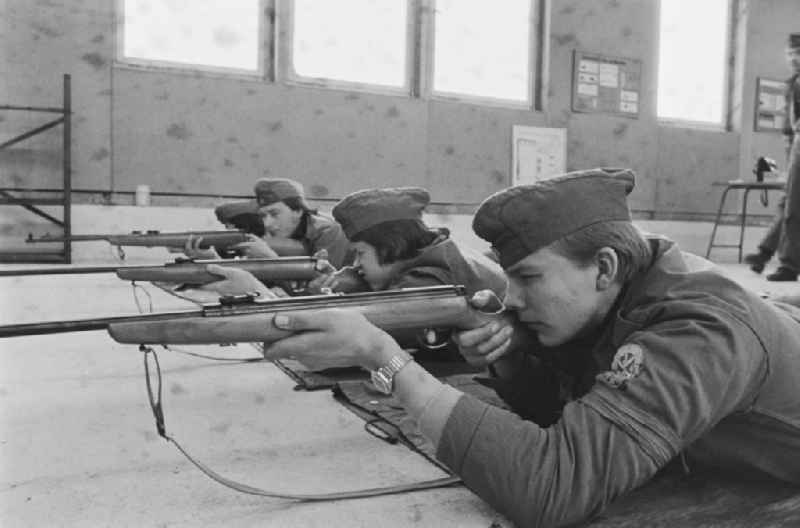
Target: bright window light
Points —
{"points": [[483, 48], [195, 32], [360, 41], [691, 61]]}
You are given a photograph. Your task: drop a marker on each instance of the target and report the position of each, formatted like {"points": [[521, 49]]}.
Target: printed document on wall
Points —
{"points": [[538, 153]]}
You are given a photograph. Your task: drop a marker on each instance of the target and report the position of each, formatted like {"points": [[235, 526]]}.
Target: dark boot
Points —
{"points": [[782, 275], [758, 260]]}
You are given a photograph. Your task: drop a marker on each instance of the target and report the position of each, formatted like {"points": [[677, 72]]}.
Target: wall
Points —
{"points": [[200, 133]]}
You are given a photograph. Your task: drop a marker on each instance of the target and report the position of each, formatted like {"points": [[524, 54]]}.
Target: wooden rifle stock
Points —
{"points": [[412, 308], [221, 240], [194, 271]]}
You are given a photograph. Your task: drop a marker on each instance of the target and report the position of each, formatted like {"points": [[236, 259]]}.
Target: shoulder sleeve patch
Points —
{"points": [[626, 365]]}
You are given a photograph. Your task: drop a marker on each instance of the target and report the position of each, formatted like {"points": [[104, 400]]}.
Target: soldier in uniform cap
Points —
{"points": [[292, 226], [242, 215], [393, 248], [783, 235], [618, 354]]}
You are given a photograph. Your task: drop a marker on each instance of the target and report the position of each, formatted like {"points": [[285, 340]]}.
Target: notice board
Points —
{"points": [[770, 104], [606, 84]]}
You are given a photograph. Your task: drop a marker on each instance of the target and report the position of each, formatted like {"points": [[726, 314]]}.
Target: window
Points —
{"points": [[354, 41], [482, 49], [692, 71], [199, 33], [470, 50]]}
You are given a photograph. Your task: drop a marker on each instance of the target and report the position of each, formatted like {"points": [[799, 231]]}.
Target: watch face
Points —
{"points": [[381, 382]]}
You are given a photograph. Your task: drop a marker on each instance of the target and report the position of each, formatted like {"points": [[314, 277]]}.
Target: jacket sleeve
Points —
{"points": [[329, 236], [691, 374], [532, 390]]}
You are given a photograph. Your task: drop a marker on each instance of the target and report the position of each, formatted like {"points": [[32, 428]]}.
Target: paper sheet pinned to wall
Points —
{"points": [[538, 153]]}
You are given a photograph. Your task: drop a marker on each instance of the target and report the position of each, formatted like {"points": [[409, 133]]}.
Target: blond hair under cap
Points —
{"points": [[227, 211], [520, 220], [364, 209], [271, 190]]}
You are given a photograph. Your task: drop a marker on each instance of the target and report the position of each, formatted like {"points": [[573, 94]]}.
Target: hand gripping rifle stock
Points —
{"points": [[242, 320]]}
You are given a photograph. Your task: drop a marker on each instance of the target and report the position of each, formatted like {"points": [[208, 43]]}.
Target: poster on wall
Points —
{"points": [[606, 84], [539, 153], [770, 105]]}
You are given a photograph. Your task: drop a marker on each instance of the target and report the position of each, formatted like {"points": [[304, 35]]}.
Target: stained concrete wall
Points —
{"points": [[199, 133]]}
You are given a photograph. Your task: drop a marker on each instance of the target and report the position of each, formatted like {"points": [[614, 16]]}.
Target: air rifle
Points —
{"points": [[191, 271], [221, 240], [243, 319]]}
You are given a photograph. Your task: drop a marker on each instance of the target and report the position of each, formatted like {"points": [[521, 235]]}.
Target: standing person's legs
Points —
{"points": [[789, 247], [772, 238], [771, 241]]}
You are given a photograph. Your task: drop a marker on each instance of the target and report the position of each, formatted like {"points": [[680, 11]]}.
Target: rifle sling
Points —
{"points": [[158, 414]]}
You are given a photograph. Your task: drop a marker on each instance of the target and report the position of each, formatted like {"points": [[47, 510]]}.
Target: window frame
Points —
{"points": [[535, 47], [264, 70], [285, 63], [276, 35], [725, 124]]}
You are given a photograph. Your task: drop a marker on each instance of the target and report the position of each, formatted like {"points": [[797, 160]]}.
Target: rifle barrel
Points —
{"points": [[85, 325], [61, 238], [58, 271]]}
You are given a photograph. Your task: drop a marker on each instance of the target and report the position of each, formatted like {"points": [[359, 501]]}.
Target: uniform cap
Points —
{"points": [[520, 220], [363, 209], [227, 211], [271, 190]]}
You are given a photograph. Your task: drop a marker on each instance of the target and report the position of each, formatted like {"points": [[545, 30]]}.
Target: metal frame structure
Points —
{"points": [[747, 186], [31, 204]]}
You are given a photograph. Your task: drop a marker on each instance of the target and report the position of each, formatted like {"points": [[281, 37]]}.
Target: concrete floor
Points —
{"points": [[78, 446]]}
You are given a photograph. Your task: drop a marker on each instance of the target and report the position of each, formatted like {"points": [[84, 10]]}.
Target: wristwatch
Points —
{"points": [[383, 377]]}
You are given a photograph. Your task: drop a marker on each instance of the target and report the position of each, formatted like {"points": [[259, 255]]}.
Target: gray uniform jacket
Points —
{"points": [[687, 360], [444, 262], [323, 232]]}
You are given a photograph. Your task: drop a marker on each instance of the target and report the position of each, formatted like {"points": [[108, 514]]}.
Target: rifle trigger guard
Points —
{"points": [[433, 339]]}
